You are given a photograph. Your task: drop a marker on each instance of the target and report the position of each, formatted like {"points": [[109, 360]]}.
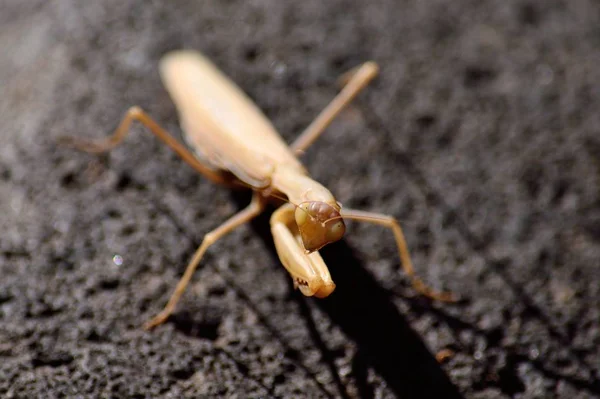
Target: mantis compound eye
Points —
{"points": [[335, 230], [319, 224]]}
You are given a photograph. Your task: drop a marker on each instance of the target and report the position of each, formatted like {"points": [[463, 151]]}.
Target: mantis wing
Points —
{"points": [[221, 124]]}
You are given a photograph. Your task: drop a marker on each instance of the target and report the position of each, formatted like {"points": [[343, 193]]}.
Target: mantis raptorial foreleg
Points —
{"points": [[245, 215], [308, 270], [391, 223], [137, 114], [354, 81]]}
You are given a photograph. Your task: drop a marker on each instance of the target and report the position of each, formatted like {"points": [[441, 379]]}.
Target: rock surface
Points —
{"points": [[482, 135]]}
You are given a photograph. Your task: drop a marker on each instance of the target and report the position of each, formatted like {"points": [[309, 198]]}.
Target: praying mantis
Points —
{"points": [[231, 142]]}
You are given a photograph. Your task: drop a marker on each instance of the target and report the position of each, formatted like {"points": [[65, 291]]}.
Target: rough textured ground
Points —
{"points": [[482, 136]]}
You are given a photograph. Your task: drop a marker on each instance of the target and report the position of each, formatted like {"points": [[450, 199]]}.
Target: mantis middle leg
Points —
{"points": [[245, 215], [391, 223]]}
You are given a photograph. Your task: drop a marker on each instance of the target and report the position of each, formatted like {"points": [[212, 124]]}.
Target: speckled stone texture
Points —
{"points": [[482, 135]]}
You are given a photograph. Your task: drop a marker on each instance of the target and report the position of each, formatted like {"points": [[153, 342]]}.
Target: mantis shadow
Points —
{"points": [[366, 314]]}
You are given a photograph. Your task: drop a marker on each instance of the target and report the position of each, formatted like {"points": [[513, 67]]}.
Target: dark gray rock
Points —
{"points": [[481, 135]]}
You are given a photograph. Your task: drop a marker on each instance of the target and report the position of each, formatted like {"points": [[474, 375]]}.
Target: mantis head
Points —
{"points": [[319, 224]]}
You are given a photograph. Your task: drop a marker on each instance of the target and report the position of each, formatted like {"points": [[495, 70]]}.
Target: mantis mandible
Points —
{"points": [[231, 142]]}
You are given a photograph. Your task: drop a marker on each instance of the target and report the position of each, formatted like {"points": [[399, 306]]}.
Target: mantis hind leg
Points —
{"points": [[354, 81], [137, 114]]}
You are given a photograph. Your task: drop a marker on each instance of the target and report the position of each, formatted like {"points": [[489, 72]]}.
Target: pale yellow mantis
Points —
{"points": [[231, 142]]}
